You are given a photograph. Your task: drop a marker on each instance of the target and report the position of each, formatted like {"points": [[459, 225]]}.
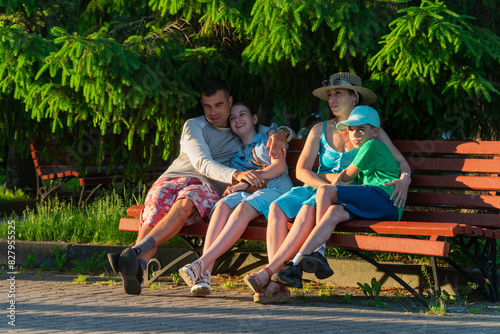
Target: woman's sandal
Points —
{"points": [[254, 282], [268, 297], [190, 274]]}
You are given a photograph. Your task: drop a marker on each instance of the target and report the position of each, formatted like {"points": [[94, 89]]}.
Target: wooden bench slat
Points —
{"points": [[129, 224], [135, 210], [95, 180], [55, 173], [402, 227], [388, 244], [458, 200], [483, 220], [454, 165], [448, 146], [292, 159], [256, 231], [296, 145], [54, 164], [456, 182]]}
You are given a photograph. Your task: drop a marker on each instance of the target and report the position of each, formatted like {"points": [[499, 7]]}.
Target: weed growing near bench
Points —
{"points": [[372, 291], [12, 195], [81, 279], [59, 259], [91, 264]]}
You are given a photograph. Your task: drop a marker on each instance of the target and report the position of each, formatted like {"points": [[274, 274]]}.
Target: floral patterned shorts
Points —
{"points": [[165, 191]]}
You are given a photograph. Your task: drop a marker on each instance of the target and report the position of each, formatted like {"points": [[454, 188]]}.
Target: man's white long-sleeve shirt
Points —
{"points": [[206, 152]]}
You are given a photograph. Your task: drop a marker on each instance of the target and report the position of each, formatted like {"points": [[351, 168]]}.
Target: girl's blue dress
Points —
{"points": [[330, 161], [253, 157]]}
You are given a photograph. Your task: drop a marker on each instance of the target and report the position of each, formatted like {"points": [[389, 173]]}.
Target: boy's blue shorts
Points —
{"points": [[366, 202]]}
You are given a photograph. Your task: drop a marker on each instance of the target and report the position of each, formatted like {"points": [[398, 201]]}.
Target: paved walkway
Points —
{"points": [[49, 302]]}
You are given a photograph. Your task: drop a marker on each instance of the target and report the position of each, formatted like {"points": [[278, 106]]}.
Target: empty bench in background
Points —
{"points": [[453, 201], [58, 166]]}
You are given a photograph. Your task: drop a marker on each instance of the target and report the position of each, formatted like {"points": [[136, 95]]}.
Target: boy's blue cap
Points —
{"points": [[361, 115]]}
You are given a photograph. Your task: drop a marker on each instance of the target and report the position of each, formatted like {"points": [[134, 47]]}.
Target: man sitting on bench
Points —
{"points": [[193, 183]]}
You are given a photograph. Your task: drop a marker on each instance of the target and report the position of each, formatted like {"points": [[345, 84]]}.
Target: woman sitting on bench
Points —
{"points": [[343, 91], [241, 203]]}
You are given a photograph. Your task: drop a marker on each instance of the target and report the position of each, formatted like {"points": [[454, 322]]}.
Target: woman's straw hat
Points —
{"points": [[348, 81]]}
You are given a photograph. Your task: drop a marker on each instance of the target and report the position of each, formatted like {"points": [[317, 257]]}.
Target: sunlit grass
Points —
{"points": [[12, 195]]}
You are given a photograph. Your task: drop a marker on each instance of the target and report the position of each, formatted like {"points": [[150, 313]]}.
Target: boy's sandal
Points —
{"points": [[190, 274], [254, 282], [268, 297]]}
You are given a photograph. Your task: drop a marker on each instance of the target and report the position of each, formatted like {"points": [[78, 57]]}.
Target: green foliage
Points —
{"points": [[96, 223], [59, 258], [30, 261], [12, 195], [130, 70], [346, 299], [11, 6], [175, 278], [436, 303], [155, 286], [228, 285], [81, 279], [55, 220], [91, 264], [372, 291], [436, 58]]}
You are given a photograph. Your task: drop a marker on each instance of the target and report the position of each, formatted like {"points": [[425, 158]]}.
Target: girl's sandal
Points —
{"points": [[203, 286], [190, 274], [255, 283]]}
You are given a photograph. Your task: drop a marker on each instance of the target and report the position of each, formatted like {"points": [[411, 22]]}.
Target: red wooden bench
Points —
{"points": [[453, 202], [57, 166]]}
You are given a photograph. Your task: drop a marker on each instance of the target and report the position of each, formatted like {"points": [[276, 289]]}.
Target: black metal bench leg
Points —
{"points": [[435, 276], [82, 202], [494, 274], [484, 256], [154, 266]]}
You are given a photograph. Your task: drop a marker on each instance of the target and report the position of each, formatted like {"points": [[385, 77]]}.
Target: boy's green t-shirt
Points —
{"points": [[377, 166]]}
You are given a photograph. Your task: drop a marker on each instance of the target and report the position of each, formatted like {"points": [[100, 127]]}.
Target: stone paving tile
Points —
{"points": [[53, 303]]}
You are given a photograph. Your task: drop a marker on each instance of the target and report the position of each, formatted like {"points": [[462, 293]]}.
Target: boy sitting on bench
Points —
{"points": [[374, 166]]}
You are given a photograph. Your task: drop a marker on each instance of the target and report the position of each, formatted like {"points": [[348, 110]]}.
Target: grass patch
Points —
{"points": [[96, 223], [12, 195], [55, 220]]}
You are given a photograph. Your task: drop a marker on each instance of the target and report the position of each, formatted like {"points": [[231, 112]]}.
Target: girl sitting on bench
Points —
{"points": [[241, 203]]}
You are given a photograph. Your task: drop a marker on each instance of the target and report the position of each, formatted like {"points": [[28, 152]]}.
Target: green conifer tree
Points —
{"points": [[127, 72]]}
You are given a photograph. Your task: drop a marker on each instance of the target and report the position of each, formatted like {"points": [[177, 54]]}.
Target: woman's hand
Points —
{"points": [[400, 189], [237, 187]]}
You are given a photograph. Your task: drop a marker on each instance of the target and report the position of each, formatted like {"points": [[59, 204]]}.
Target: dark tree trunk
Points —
{"points": [[20, 171]]}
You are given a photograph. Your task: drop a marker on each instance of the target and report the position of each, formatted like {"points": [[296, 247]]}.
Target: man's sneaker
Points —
{"points": [[317, 264], [130, 271], [289, 275]]}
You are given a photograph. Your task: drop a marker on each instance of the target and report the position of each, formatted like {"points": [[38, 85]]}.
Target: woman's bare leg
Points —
{"points": [[302, 226]]}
